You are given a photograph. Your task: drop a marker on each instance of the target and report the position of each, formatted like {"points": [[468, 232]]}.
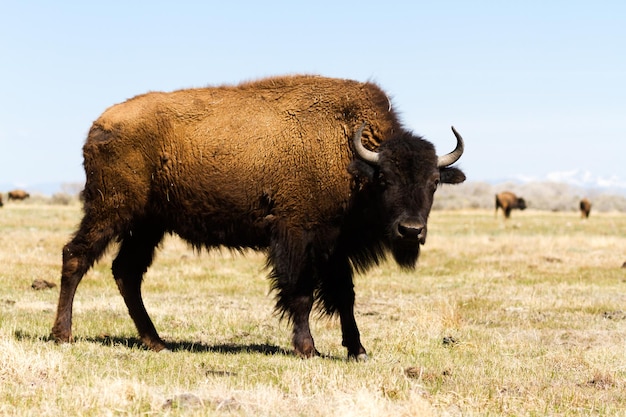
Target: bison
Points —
{"points": [[18, 195], [1, 203], [508, 201], [318, 173], [585, 208]]}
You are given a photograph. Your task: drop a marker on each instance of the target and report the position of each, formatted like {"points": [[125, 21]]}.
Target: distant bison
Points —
{"points": [[508, 201], [585, 208], [18, 195], [1, 203], [316, 172]]}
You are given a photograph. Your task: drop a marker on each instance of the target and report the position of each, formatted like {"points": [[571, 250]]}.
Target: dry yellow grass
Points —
{"points": [[522, 318]]}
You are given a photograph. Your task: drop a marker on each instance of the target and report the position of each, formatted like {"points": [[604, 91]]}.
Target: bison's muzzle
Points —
{"points": [[411, 232]]}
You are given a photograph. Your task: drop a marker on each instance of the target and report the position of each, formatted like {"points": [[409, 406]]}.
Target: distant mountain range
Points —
{"points": [[577, 178], [45, 188]]}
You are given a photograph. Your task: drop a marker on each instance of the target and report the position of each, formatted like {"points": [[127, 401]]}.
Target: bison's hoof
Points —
{"points": [[361, 357], [157, 347], [304, 347], [308, 354], [60, 337]]}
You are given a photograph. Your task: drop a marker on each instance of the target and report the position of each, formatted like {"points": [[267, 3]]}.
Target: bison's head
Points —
{"points": [[404, 174], [521, 204]]}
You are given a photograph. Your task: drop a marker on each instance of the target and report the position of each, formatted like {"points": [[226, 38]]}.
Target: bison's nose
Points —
{"points": [[412, 231]]}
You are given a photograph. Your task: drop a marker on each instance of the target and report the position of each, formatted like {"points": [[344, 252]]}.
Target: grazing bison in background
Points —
{"points": [[1, 203], [508, 201], [585, 208], [317, 172], [18, 195]]}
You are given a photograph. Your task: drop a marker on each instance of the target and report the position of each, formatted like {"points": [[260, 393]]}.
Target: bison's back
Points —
{"points": [[244, 157]]}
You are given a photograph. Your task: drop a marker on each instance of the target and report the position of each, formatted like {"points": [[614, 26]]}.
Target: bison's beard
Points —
{"points": [[406, 254]]}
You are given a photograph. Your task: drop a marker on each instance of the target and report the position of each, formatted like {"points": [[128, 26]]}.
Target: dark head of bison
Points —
{"points": [[403, 175]]}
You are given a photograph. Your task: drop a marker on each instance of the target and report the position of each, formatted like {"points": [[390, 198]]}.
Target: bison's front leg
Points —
{"points": [[337, 294], [293, 279], [350, 332], [302, 340]]}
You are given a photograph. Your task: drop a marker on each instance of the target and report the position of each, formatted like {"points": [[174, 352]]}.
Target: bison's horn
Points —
{"points": [[365, 154], [452, 157]]}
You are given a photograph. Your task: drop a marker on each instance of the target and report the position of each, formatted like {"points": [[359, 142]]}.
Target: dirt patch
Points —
{"points": [[614, 315], [42, 284]]}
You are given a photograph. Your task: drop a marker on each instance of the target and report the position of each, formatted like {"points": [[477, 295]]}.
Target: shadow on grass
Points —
{"points": [[182, 346]]}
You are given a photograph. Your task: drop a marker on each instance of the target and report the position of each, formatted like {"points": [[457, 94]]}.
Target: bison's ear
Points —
{"points": [[361, 170], [451, 175]]}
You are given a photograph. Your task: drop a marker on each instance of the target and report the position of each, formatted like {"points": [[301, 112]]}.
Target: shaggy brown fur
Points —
{"points": [[508, 201], [266, 165], [18, 195]]}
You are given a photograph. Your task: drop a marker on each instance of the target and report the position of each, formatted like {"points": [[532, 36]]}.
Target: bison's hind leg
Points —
{"points": [[133, 259], [79, 254]]}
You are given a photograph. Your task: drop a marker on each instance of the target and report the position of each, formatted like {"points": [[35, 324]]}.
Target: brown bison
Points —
{"points": [[508, 201], [18, 195], [585, 208], [317, 172], [1, 203]]}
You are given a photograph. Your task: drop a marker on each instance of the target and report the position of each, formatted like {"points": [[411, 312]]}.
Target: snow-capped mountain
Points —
{"points": [[579, 178], [586, 179]]}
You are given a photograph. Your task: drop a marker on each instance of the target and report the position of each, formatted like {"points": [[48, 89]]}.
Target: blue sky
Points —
{"points": [[534, 87]]}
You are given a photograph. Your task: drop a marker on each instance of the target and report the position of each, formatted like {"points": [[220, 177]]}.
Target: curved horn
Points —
{"points": [[452, 157], [363, 153]]}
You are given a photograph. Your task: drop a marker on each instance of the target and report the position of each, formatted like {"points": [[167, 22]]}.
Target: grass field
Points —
{"points": [[523, 318]]}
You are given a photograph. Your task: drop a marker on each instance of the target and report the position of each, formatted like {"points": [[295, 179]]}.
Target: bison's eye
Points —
{"points": [[435, 184]]}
